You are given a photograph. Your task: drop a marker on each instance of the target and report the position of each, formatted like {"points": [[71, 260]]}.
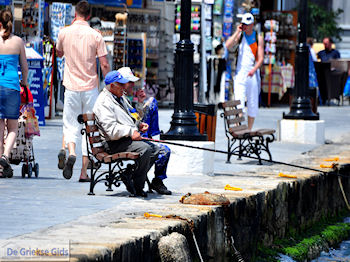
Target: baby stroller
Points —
{"points": [[27, 128]]}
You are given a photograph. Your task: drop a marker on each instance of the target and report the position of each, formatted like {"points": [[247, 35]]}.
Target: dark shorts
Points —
{"points": [[10, 101]]}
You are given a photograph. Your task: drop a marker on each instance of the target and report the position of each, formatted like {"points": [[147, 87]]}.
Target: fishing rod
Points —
{"points": [[235, 154]]}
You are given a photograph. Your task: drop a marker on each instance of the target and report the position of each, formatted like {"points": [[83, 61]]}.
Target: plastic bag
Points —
{"points": [[32, 123], [347, 87]]}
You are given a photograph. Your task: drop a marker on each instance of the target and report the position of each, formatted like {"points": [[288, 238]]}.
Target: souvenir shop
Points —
{"points": [[143, 34], [213, 22]]}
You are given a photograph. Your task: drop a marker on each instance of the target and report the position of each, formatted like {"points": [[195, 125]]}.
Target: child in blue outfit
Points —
{"points": [[147, 110]]}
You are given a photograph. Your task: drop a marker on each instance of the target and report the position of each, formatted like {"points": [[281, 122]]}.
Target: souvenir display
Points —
{"points": [[120, 47], [280, 37]]}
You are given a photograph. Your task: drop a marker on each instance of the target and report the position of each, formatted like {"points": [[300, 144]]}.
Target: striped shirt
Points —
{"points": [[81, 45]]}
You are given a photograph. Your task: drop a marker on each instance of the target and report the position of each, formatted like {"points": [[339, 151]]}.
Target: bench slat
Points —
{"points": [[238, 128], [262, 132], [232, 103], [96, 150], [91, 128], [88, 117], [94, 139], [243, 133], [234, 121], [233, 112], [100, 156], [125, 155]]}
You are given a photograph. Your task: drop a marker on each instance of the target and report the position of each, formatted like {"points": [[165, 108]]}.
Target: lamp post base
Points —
{"points": [[183, 127], [301, 109]]}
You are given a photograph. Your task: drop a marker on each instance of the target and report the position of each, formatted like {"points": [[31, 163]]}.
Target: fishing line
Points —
{"points": [[235, 154]]}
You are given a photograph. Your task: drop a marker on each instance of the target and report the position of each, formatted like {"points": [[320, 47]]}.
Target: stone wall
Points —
{"points": [[288, 209], [253, 220]]}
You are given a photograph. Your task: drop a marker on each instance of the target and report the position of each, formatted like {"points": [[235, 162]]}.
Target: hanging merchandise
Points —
{"points": [[33, 23], [280, 35], [217, 8], [120, 47], [195, 18], [228, 18], [280, 41], [48, 71], [61, 15], [272, 27]]}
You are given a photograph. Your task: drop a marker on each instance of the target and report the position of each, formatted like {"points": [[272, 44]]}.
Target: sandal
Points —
{"points": [[7, 169], [68, 168], [61, 158]]}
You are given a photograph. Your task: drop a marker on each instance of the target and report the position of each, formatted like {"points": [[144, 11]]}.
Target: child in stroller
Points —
{"points": [[27, 128]]}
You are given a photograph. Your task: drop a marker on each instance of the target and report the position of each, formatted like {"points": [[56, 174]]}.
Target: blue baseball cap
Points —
{"points": [[115, 76]]}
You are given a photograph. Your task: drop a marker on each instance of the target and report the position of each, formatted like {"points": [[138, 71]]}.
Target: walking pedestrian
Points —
{"points": [[250, 57], [80, 44], [11, 51]]}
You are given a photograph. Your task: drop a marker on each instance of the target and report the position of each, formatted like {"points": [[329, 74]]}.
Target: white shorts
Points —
{"points": [[76, 103], [247, 88]]}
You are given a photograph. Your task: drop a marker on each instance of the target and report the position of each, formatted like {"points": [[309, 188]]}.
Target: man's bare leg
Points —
{"points": [[250, 122], [83, 173]]}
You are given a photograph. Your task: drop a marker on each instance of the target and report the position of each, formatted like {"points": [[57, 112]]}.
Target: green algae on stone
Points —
{"points": [[318, 238], [332, 235], [336, 233], [300, 251]]}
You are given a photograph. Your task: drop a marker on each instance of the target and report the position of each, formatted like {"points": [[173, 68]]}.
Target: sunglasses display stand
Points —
{"points": [[120, 48]]}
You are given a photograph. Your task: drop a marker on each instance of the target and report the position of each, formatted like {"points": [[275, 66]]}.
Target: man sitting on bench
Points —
{"points": [[121, 131]]}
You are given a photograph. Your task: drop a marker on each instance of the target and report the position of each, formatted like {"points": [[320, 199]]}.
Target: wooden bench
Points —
{"points": [[241, 140], [120, 165]]}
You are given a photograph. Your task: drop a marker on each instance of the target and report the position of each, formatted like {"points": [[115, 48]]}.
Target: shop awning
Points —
{"points": [[118, 3]]}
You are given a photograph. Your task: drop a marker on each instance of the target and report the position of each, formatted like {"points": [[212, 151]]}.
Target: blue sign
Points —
{"points": [[5, 2], [119, 3], [35, 82]]}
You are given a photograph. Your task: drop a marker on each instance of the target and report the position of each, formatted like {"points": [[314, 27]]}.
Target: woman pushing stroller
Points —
{"points": [[11, 51]]}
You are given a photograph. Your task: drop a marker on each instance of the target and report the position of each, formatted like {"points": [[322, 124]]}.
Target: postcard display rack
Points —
{"points": [[280, 37]]}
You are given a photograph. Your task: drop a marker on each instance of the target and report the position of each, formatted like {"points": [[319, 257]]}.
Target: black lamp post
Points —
{"points": [[301, 107], [183, 124]]}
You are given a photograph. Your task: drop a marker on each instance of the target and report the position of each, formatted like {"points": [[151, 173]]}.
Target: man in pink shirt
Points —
{"points": [[80, 44]]}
